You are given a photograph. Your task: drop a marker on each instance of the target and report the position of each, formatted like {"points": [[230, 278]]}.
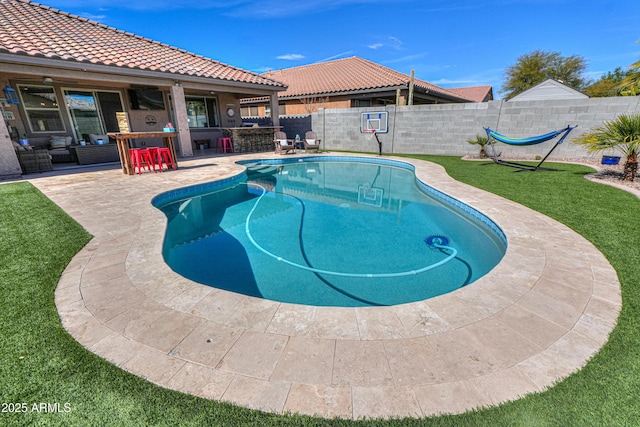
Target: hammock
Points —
{"points": [[533, 140]]}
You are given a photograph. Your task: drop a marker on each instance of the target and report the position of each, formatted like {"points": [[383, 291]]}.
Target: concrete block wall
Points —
{"points": [[444, 129]]}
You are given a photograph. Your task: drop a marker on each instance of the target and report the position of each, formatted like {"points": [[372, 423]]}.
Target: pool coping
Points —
{"points": [[538, 316]]}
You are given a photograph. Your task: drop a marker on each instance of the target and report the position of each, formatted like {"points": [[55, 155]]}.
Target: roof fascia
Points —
{"points": [[38, 66], [346, 92], [381, 91]]}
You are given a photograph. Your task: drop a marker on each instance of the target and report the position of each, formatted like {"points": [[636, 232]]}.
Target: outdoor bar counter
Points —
{"points": [[123, 140], [251, 139]]}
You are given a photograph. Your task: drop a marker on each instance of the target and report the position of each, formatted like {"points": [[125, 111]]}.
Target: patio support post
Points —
{"points": [[273, 100], [9, 165], [182, 121]]}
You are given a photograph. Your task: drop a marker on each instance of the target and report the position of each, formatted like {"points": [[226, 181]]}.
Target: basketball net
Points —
{"points": [[372, 134]]}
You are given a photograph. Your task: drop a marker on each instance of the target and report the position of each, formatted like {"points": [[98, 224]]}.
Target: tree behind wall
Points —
{"points": [[630, 86], [608, 84], [312, 103], [535, 67]]}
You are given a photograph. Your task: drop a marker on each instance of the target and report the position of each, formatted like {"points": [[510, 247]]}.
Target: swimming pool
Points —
{"points": [[327, 231]]}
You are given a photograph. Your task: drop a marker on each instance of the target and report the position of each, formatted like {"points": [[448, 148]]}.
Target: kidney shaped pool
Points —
{"points": [[327, 231]]}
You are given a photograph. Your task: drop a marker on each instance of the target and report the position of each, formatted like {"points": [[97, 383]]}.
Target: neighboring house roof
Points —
{"points": [[36, 30], [475, 93], [348, 75], [549, 89]]}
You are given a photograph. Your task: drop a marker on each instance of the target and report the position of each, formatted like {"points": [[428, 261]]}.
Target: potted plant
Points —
{"points": [[622, 134], [482, 141]]}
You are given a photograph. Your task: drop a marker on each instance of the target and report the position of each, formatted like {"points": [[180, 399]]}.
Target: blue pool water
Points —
{"points": [[327, 232]]}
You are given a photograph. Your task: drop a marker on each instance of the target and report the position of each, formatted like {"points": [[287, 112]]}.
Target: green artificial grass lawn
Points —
{"points": [[41, 363]]}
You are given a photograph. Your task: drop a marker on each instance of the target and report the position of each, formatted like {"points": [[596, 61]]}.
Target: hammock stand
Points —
{"points": [[494, 136]]}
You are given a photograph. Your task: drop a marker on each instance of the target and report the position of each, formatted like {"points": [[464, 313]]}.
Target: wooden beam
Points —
{"points": [[411, 81]]}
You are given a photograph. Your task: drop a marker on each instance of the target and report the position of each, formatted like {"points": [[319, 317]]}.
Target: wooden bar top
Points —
{"points": [[132, 135]]}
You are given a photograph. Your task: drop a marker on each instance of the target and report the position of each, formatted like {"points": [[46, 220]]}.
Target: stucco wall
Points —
{"points": [[444, 128], [9, 165]]}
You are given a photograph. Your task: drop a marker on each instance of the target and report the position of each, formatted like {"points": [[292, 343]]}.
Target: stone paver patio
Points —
{"points": [[536, 317]]}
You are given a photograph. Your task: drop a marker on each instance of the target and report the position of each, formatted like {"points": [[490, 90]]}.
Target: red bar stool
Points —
{"points": [[140, 158], [164, 156], [155, 160], [224, 143]]}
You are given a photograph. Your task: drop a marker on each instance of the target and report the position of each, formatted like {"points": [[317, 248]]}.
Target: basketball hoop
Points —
{"points": [[372, 133]]}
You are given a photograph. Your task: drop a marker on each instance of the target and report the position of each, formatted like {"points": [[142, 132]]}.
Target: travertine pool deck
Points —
{"points": [[538, 316]]}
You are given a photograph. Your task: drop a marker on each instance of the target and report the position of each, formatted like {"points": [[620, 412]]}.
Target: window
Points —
{"points": [[362, 103], [249, 111], [202, 112], [42, 108]]}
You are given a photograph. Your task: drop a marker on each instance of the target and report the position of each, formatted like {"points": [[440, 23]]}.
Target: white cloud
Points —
{"points": [[395, 42], [390, 42], [336, 56], [93, 17], [408, 58], [291, 56]]}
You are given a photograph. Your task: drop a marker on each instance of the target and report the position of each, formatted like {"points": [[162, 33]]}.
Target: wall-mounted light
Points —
{"points": [[11, 95], [212, 92], [47, 80], [178, 83]]}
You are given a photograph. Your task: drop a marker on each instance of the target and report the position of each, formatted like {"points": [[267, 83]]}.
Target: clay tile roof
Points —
{"points": [[475, 93], [28, 28], [346, 75]]}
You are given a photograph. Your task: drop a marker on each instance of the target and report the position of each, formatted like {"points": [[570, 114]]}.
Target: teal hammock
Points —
{"points": [[494, 136]]}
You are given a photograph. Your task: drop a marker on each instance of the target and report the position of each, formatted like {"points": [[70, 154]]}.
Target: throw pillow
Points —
{"points": [[56, 143]]}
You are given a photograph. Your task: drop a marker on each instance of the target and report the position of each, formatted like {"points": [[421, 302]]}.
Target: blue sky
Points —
{"points": [[451, 43]]}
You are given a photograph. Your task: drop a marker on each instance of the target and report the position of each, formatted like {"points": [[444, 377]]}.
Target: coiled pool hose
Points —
{"points": [[439, 243]]}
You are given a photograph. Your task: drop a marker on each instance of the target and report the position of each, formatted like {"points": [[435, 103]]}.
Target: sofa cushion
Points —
{"points": [[18, 146], [58, 143]]}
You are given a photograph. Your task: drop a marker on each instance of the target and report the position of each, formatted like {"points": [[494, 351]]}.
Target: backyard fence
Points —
{"points": [[443, 129]]}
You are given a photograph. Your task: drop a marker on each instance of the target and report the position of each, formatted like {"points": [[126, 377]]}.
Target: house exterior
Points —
{"points": [[67, 77], [346, 83], [475, 93], [549, 89]]}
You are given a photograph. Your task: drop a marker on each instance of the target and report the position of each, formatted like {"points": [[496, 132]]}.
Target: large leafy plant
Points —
{"points": [[621, 134]]}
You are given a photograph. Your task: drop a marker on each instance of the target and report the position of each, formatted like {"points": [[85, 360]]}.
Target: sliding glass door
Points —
{"points": [[92, 112]]}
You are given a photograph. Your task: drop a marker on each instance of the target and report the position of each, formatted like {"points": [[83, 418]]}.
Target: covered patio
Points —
{"points": [[64, 92]]}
